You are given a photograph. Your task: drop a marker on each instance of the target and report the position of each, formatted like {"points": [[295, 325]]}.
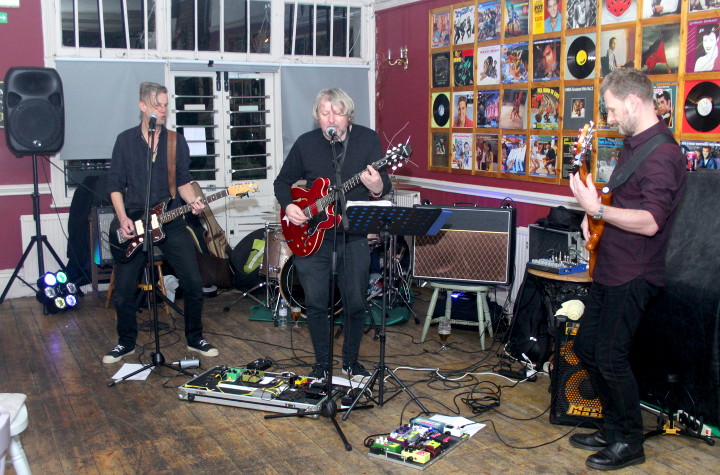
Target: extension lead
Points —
{"points": [[519, 375]]}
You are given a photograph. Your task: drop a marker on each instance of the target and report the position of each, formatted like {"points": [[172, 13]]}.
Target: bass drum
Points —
{"points": [[293, 293]]}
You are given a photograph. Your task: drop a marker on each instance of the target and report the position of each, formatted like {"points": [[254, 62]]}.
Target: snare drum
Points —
{"points": [[276, 254], [292, 291]]}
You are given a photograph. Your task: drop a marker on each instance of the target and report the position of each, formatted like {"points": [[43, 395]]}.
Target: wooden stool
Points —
{"points": [[142, 285], [484, 322]]}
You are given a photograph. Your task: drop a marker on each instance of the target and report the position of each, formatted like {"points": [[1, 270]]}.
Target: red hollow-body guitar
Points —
{"points": [[318, 204], [583, 148]]}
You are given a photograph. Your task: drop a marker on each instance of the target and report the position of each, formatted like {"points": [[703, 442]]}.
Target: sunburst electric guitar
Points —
{"points": [[582, 153], [318, 204], [123, 248]]}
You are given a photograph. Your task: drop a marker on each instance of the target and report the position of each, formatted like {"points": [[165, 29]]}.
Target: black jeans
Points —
{"points": [[179, 250], [314, 271], [608, 325]]}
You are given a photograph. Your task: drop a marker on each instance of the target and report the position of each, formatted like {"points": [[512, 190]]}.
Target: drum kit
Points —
{"points": [[281, 281]]}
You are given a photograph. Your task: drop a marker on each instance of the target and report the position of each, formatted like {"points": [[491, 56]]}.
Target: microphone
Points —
{"points": [[187, 363], [151, 124], [331, 132]]}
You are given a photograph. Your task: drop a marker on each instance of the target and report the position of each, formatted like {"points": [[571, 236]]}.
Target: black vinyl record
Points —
{"points": [[581, 57], [702, 106], [441, 110]]}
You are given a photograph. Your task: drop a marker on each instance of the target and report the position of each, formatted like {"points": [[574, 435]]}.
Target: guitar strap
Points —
{"points": [[171, 150], [622, 174]]}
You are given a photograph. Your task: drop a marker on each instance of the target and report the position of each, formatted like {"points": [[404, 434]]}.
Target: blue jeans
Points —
{"points": [[179, 250], [353, 264], [608, 325]]}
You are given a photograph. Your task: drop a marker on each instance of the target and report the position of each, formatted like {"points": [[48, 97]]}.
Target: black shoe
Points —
{"points": [[617, 455], [595, 441], [118, 353], [355, 369], [204, 348], [319, 371]]}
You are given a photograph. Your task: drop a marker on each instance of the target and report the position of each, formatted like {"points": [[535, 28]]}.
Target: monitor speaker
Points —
{"points": [[476, 246], [547, 243], [34, 111], [574, 400]]}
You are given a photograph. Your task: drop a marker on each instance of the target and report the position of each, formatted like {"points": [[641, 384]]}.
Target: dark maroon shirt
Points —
{"points": [[657, 186]]}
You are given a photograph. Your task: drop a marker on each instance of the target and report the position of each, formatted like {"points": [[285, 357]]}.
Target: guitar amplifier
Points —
{"points": [[102, 217], [475, 247]]}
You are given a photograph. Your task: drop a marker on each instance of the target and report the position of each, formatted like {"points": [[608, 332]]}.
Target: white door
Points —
{"points": [[229, 121]]}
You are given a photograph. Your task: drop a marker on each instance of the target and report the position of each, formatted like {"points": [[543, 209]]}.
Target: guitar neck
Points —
{"points": [[354, 181], [174, 213]]}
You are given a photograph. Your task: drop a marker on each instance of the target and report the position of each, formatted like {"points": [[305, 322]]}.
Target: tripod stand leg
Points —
{"points": [[19, 266], [407, 390], [247, 294]]}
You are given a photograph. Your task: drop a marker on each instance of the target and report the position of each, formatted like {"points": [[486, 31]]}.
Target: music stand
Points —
{"points": [[386, 221]]}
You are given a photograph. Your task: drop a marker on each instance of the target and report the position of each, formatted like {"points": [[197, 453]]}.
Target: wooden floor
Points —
{"points": [[79, 425]]}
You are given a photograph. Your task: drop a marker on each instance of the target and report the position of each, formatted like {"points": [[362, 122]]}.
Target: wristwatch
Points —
{"points": [[599, 213]]}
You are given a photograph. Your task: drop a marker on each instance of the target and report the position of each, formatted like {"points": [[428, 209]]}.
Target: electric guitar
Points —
{"points": [[582, 150], [318, 204], [123, 248]]}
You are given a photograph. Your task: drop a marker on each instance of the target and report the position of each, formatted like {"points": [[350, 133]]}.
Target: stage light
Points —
{"points": [[56, 293]]}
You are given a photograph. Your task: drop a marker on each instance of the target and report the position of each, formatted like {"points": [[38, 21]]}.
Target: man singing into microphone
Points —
{"points": [[312, 157], [135, 150]]}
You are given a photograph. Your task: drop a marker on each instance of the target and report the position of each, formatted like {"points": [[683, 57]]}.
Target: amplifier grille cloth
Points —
{"points": [[462, 255]]}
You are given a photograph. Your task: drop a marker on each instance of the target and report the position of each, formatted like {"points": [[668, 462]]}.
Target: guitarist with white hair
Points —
{"points": [[312, 159]]}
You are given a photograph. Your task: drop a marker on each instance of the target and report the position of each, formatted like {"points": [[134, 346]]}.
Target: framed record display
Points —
{"points": [[660, 49], [489, 20], [464, 25], [580, 57], [578, 106], [440, 147], [618, 11], [440, 110], [488, 65], [701, 52], [440, 29], [513, 77], [441, 69], [581, 13], [488, 109], [702, 106], [486, 152]]}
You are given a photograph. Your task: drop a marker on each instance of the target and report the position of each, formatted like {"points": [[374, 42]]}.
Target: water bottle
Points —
{"points": [[282, 314]]}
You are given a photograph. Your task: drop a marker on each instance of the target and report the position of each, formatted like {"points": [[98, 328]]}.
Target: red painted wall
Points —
{"points": [[402, 107], [22, 45]]}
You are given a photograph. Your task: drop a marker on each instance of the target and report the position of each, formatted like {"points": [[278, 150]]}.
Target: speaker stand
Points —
{"points": [[39, 238]]}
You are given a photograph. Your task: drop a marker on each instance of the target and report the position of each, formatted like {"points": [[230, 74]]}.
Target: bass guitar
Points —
{"points": [[123, 248], [582, 151], [318, 204]]}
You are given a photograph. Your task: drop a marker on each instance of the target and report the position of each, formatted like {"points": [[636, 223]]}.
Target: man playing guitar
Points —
{"points": [[127, 184], [311, 158], [630, 266]]}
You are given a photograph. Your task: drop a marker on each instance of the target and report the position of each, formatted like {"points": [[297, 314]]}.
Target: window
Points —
{"points": [[322, 30]]}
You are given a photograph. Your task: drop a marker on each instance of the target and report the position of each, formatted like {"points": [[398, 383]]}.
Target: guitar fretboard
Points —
{"points": [[174, 213]]}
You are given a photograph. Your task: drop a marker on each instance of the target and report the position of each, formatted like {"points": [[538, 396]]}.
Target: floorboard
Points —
{"points": [[80, 425]]}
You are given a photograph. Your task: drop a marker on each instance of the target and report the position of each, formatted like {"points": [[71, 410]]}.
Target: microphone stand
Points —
{"points": [[328, 407], [157, 357]]}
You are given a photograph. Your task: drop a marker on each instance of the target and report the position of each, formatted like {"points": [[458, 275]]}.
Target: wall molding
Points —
{"points": [[24, 189], [520, 196]]}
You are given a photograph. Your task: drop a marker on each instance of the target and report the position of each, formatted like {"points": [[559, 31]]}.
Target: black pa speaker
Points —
{"points": [[34, 111], [476, 246], [574, 400]]}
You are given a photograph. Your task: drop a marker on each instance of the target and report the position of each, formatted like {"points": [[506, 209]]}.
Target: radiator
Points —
{"points": [[405, 198], [54, 227], [522, 248]]}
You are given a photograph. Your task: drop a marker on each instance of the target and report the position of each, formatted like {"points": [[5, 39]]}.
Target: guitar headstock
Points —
{"points": [[242, 189], [394, 157], [584, 142]]}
